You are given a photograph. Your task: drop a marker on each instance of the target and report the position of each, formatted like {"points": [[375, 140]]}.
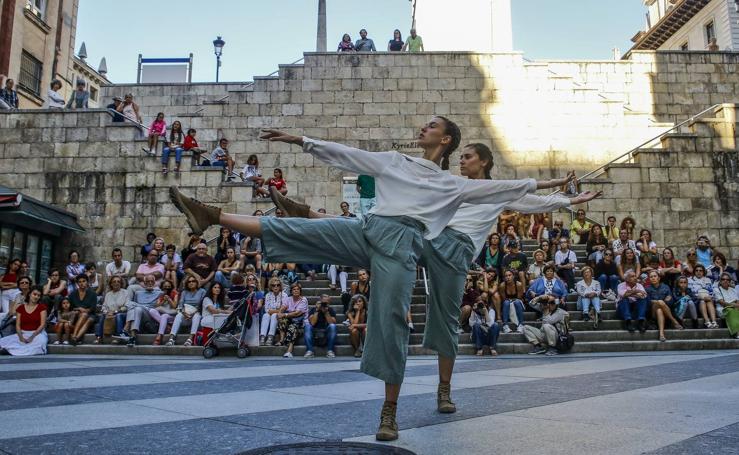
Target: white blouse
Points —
{"points": [[416, 187], [582, 287]]}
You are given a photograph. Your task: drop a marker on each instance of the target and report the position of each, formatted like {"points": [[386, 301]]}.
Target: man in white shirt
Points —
{"points": [[118, 267], [623, 242], [565, 260]]}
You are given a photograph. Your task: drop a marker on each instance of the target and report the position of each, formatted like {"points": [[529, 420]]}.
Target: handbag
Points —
{"points": [[109, 326], [189, 310], [565, 338], [166, 310]]}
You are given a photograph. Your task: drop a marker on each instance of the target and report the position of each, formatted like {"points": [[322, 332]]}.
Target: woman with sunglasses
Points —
{"points": [[272, 304], [690, 262], [189, 303], [606, 272], [702, 288], [727, 304]]}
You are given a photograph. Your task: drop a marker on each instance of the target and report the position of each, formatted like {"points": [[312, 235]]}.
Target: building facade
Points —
{"points": [[689, 25]]}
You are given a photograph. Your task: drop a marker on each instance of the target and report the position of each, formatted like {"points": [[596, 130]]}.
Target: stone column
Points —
{"points": [[321, 30]]}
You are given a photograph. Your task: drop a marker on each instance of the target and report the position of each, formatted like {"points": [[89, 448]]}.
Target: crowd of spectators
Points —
{"points": [[413, 43]]}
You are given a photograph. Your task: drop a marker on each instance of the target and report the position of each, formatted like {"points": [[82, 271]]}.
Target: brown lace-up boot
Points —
{"points": [[291, 208], [199, 216], [444, 400], [388, 430]]}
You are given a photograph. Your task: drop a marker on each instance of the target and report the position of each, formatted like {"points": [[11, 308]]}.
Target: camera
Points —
{"points": [[324, 305]]}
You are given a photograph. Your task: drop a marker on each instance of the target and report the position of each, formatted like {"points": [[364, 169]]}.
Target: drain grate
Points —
{"points": [[329, 448]]}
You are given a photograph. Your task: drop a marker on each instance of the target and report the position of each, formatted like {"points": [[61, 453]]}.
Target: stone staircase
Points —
{"points": [[609, 337]]}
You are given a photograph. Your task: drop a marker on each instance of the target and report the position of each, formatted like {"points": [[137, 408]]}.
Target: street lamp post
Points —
{"points": [[218, 44]]}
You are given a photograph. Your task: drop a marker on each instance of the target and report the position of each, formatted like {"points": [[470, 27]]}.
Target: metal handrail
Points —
{"points": [[113, 113], [249, 84]]}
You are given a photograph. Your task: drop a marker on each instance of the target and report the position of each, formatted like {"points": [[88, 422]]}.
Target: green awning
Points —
{"points": [[15, 206]]}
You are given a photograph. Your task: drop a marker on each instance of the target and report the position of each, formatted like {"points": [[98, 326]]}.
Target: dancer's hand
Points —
{"points": [[585, 196], [280, 136], [555, 183]]}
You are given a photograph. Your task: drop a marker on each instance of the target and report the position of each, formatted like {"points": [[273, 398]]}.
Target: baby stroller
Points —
{"points": [[232, 330]]}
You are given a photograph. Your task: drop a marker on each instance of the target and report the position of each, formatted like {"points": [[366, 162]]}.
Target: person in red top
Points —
{"points": [[278, 182], [191, 145], [30, 325], [8, 284]]}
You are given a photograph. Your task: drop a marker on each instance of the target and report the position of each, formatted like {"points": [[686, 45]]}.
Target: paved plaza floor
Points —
{"points": [[630, 403]]}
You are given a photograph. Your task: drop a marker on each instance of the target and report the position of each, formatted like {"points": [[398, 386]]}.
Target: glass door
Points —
{"points": [[6, 240], [32, 255], [45, 262]]}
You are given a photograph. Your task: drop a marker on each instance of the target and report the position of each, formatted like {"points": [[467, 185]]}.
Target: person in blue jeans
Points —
{"points": [[485, 330], [632, 303], [606, 272], [511, 291], [321, 318]]}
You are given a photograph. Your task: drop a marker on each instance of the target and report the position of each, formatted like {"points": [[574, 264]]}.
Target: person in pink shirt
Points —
{"points": [[632, 298], [152, 266], [157, 129]]}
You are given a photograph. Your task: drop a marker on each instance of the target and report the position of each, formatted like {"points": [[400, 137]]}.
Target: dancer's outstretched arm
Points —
{"points": [[483, 191], [533, 203]]}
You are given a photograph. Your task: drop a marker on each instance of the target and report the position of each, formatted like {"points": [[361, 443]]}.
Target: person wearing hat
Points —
{"points": [[80, 97], [117, 117], [544, 340], [129, 108], [516, 260]]}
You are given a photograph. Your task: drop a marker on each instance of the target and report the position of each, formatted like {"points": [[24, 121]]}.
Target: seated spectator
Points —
{"points": [[158, 246], [546, 287], [157, 129], [345, 45], [117, 117], [516, 260], [30, 325], [143, 300], [148, 246], [221, 157], [507, 217], [96, 283], [201, 265], [172, 263], [546, 247], [73, 269], [129, 109], [621, 244], [659, 297], [704, 251], [646, 247], [65, 321], [253, 302], [719, 267], [344, 206], [473, 287], [702, 288], [192, 244], [9, 283], [596, 245], [54, 290], [628, 261], [537, 227], [491, 284], [361, 286], [8, 96], [485, 331], [191, 145], [364, 44], [114, 309], [189, 305], [588, 292], [632, 302], [544, 340], [24, 270], [608, 275], [251, 252], [164, 309], [669, 267], [690, 262], [557, 233], [537, 268], [611, 231], [54, 99], [727, 304], [291, 317], [118, 267], [272, 308], [278, 182], [627, 225], [252, 174], [396, 44], [152, 266], [84, 302], [228, 267], [320, 326], [565, 260], [684, 302], [7, 316], [511, 292], [80, 98], [356, 320], [491, 255], [225, 240], [509, 236], [580, 228], [651, 264], [173, 144]]}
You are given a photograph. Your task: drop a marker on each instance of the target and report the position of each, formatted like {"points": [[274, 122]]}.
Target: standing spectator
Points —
{"points": [[157, 129], [622, 243], [221, 157], [345, 45], [290, 319], [719, 267], [272, 308], [143, 300], [201, 265], [229, 266], [659, 297], [704, 251], [557, 233], [191, 145], [629, 261], [366, 190], [537, 268], [516, 260], [30, 324], [484, 329], [152, 267], [632, 303], [627, 224], [129, 108], [565, 260], [646, 247], [611, 230], [608, 275], [73, 269], [491, 255], [251, 173], [278, 182], [588, 292], [189, 304], [80, 97], [396, 44], [544, 340], [702, 289], [8, 96], [172, 263], [115, 308], [511, 292], [164, 309], [54, 99], [117, 117], [84, 302], [727, 304], [320, 325], [580, 228], [192, 244], [595, 245], [357, 318], [414, 43], [669, 267], [118, 267], [684, 301], [176, 139], [364, 44]]}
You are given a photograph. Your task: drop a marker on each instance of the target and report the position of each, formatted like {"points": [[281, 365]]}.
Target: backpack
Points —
{"points": [[565, 338]]}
